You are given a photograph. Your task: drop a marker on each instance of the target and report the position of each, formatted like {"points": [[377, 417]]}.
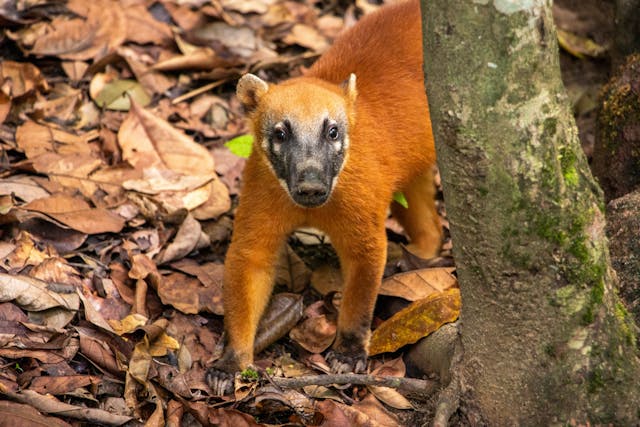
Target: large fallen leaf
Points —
{"points": [[77, 214], [49, 404], [388, 395], [317, 331], [152, 144], [188, 294], [416, 321], [36, 139], [189, 237], [418, 284], [117, 94], [18, 78], [142, 28], [579, 46], [291, 271], [98, 28], [23, 187], [147, 140], [283, 312], [20, 414], [34, 294]]}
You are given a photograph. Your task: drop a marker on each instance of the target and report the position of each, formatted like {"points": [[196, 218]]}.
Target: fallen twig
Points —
{"points": [[53, 406], [410, 385]]}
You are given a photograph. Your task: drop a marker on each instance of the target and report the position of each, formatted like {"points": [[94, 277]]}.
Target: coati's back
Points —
{"points": [[385, 52]]}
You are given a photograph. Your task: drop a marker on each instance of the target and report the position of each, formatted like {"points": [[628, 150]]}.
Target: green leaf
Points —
{"points": [[399, 198], [116, 95], [240, 145]]}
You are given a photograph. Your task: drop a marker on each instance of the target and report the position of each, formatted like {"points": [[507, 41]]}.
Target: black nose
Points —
{"points": [[310, 185]]}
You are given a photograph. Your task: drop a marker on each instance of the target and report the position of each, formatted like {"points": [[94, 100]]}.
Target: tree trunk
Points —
{"points": [[545, 338], [627, 30]]}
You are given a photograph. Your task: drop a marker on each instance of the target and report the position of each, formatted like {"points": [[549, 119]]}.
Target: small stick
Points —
{"points": [[411, 385]]}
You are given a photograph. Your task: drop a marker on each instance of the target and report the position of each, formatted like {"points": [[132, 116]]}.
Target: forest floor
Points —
{"points": [[116, 212]]}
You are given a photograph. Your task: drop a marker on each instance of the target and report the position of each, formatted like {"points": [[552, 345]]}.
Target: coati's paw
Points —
{"points": [[221, 382], [341, 363]]}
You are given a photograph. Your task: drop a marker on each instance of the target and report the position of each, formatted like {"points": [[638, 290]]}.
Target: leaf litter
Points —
{"points": [[123, 146]]}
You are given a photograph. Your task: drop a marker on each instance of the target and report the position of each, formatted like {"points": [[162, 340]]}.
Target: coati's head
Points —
{"points": [[302, 128]]}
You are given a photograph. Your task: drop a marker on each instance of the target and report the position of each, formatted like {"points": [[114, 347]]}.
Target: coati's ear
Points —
{"points": [[350, 90], [249, 90]]}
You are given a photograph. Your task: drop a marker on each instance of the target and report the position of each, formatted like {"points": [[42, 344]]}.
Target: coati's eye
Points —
{"points": [[279, 135], [333, 133]]}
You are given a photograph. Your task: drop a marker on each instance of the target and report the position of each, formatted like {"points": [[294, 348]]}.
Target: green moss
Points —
{"points": [[626, 324], [595, 300], [568, 160], [250, 374], [596, 380]]}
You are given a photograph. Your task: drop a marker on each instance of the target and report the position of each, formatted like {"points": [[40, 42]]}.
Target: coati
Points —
{"points": [[330, 150]]}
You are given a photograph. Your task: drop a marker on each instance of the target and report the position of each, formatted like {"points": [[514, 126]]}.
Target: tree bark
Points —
{"points": [[546, 339], [627, 30]]}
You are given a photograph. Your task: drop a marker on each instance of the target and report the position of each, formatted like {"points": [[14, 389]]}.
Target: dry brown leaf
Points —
{"points": [[242, 41], [188, 294], [283, 312], [416, 321], [189, 237], [99, 28], [22, 187], [36, 139], [77, 214], [370, 414], [18, 78], [22, 415], [316, 332], [201, 59], [326, 279], [390, 396], [209, 274], [94, 347], [418, 284], [62, 384], [142, 28], [91, 312], [306, 36], [147, 140], [246, 6], [49, 404], [291, 271], [34, 294], [26, 253]]}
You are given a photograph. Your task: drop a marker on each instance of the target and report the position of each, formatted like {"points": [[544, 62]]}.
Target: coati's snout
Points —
{"points": [[310, 189], [305, 147]]}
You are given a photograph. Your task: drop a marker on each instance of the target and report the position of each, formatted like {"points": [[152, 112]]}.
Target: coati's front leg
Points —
{"points": [[248, 283], [362, 262]]}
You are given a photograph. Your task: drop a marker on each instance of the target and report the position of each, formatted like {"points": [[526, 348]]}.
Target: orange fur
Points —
{"points": [[391, 149]]}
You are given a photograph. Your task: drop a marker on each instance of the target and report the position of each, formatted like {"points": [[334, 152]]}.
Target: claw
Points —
{"points": [[342, 364], [221, 382]]}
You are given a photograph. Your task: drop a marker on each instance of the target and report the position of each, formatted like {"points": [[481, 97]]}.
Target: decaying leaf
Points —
{"points": [[317, 331], [77, 214], [291, 271], [117, 94], [34, 294], [579, 46], [97, 29], [418, 284], [416, 321], [284, 311], [19, 78]]}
